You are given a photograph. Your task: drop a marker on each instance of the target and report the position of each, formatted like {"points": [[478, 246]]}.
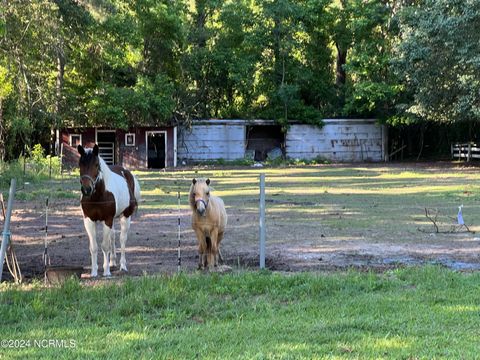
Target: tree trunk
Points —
{"points": [[58, 99], [341, 75], [423, 127], [2, 133], [277, 52], [203, 69]]}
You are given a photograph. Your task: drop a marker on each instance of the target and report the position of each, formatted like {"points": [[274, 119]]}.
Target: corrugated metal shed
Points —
{"points": [[338, 140]]}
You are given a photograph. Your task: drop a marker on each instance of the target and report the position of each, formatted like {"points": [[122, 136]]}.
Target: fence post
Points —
{"points": [[262, 221], [61, 160], [6, 226], [469, 155], [179, 258]]}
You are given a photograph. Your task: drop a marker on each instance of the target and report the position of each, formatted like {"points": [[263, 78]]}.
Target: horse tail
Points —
{"points": [[136, 190]]}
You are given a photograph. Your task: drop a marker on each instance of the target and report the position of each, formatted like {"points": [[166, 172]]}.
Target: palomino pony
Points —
{"points": [[107, 193], [209, 219]]}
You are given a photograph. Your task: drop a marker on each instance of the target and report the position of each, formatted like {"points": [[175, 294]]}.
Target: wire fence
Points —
{"points": [[319, 217]]}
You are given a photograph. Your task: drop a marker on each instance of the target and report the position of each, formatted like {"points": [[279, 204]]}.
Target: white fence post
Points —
{"points": [[6, 226], [262, 221]]}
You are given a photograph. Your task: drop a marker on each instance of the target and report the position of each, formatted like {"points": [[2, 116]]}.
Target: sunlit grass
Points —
{"points": [[427, 312]]}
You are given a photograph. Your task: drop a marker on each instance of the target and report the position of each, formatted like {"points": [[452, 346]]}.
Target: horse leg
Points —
{"points": [[106, 248], [202, 248], [113, 255], [92, 237], [124, 228], [220, 238], [212, 255]]}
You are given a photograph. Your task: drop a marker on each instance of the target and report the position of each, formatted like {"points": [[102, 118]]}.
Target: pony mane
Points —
{"points": [[191, 199], [105, 172]]}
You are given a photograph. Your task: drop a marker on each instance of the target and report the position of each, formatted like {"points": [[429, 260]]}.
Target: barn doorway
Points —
{"points": [[156, 149], [265, 142], [106, 145]]}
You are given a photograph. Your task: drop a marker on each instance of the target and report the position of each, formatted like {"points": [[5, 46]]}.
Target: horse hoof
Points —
{"points": [[93, 274], [107, 275]]}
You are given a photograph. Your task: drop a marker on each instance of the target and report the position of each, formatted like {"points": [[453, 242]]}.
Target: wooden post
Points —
{"points": [[262, 221], [179, 258], [469, 155], [2, 207], [6, 226]]}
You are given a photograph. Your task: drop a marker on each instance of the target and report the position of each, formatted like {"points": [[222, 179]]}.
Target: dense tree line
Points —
{"points": [[124, 62]]}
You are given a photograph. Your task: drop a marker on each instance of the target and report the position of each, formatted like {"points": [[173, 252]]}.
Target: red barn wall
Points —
{"points": [[132, 157]]}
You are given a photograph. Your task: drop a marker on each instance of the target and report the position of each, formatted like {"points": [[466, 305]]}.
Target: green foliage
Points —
{"points": [[121, 63], [34, 167], [438, 59]]}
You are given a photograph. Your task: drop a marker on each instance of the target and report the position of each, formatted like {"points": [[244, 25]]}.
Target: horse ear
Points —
{"points": [[208, 181], [95, 150], [81, 150], [194, 181]]}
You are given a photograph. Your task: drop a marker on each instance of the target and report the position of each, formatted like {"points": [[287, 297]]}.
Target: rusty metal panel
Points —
{"points": [[349, 140]]}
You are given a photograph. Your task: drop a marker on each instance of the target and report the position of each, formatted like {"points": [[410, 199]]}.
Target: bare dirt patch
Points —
{"points": [[307, 242]]}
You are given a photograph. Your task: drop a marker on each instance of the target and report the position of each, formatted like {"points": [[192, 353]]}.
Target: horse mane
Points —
{"points": [[105, 172], [191, 199]]}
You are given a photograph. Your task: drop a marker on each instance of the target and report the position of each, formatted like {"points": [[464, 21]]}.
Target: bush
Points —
{"points": [[32, 168]]}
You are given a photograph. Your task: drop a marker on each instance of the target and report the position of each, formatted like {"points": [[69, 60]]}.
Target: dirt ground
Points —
{"points": [[152, 246]]}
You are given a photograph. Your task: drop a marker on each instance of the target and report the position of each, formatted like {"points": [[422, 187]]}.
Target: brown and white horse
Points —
{"points": [[108, 192], [209, 219]]}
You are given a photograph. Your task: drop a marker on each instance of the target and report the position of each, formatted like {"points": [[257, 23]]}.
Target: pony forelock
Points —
{"points": [[105, 171]]}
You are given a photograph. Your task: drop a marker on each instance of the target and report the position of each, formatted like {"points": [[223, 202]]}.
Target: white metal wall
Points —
{"points": [[338, 140], [212, 142]]}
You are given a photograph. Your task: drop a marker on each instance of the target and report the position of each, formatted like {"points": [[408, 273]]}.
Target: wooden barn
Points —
{"points": [[344, 140], [135, 148]]}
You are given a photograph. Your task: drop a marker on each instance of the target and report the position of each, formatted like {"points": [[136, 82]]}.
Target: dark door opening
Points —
{"points": [[156, 150], [265, 141], [106, 146]]}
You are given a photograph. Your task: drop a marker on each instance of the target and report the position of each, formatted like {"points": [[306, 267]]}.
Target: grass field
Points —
{"points": [[427, 312]]}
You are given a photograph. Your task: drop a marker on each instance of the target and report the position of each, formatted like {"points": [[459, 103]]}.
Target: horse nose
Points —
{"points": [[86, 190]]}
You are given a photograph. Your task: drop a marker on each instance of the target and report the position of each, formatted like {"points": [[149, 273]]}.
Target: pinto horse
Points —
{"points": [[108, 192], [209, 219]]}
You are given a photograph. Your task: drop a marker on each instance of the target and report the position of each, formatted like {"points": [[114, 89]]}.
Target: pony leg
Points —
{"points": [[113, 255], [92, 237], [212, 255], [106, 249], [219, 256], [124, 228], [202, 248]]}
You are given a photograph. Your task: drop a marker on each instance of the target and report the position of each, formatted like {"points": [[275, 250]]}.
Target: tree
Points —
{"points": [[438, 59], [6, 88], [28, 55], [372, 87]]}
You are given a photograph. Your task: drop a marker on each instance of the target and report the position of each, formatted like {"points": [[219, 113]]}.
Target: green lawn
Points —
{"points": [[427, 312]]}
